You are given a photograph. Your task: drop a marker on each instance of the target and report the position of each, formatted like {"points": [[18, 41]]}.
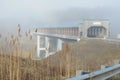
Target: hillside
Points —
{"points": [[85, 55]]}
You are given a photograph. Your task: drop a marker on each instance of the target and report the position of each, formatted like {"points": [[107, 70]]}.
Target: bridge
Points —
{"points": [[60, 41], [88, 29]]}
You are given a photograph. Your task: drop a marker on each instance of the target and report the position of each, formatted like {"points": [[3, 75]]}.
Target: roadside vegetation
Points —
{"points": [[87, 55]]}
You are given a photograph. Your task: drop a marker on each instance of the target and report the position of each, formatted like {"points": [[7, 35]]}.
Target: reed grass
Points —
{"points": [[60, 66]]}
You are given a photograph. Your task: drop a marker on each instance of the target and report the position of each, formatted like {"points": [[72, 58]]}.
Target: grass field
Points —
{"points": [[16, 59], [86, 55]]}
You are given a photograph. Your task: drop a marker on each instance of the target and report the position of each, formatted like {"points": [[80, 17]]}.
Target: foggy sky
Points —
{"points": [[44, 13]]}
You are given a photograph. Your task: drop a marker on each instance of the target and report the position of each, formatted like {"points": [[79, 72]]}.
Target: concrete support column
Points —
{"points": [[46, 48], [59, 44], [96, 32], [38, 45], [47, 45], [92, 31]]}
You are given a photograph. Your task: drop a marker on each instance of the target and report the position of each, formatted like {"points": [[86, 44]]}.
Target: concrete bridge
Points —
{"points": [[88, 29], [61, 39]]}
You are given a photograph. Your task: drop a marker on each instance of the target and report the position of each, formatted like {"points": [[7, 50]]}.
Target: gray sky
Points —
{"points": [[42, 13]]}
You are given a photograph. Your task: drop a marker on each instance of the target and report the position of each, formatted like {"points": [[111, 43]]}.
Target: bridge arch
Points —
{"points": [[96, 32]]}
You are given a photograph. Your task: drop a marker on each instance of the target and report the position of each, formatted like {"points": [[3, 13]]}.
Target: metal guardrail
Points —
{"points": [[109, 40], [102, 74]]}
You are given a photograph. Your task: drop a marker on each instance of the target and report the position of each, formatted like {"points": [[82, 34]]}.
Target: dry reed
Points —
{"points": [[57, 67]]}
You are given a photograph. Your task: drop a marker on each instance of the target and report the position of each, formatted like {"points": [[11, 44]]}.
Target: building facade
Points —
{"points": [[94, 29]]}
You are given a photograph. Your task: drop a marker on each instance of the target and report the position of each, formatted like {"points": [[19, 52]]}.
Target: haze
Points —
{"points": [[57, 13]]}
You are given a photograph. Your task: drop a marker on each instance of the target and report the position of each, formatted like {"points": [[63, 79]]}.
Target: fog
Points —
{"points": [[53, 13]]}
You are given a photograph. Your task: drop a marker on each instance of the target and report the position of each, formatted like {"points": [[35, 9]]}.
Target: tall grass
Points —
{"points": [[57, 67]]}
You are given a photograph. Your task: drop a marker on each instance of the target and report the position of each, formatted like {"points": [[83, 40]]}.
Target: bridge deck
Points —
{"points": [[75, 38]]}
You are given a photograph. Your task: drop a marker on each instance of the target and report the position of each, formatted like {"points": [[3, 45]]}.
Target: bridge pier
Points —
{"points": [[59, 44], [46, 48], [47, 45], [38, 45]]}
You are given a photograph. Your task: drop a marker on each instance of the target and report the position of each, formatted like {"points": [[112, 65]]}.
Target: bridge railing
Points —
{"points": [[72, 31]]}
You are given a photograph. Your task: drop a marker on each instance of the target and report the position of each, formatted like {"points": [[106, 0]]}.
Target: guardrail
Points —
{"points": [[109, 40], [102, 74]]}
